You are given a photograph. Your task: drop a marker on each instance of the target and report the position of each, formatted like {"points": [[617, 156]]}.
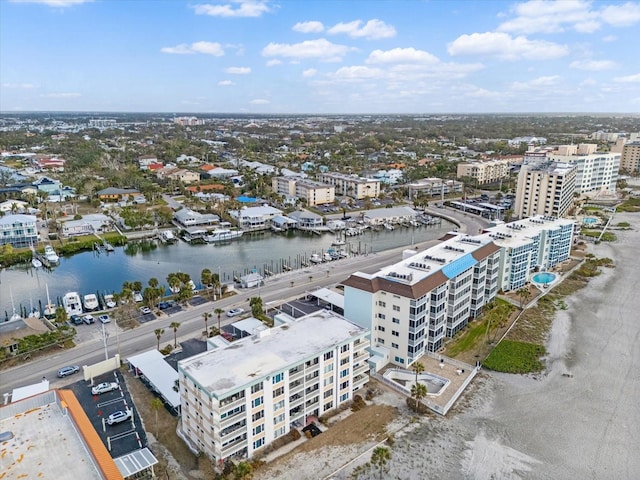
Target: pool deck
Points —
{"points": [[451, 370]]}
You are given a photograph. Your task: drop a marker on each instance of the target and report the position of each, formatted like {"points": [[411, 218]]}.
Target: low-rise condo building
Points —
{"points": [[239, 398], [485, 171], [631, 157], [314, 193], [351, 185], [412, 305]]}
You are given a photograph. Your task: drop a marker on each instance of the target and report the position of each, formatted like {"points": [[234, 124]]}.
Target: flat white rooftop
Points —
{"points": [[245, 361], [522, 231], [44, 445]]}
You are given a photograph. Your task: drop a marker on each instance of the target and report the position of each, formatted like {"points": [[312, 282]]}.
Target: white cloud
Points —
{"points": [[358, 72], [593, 65], [259, 101], [623, 15], [584, 16], [536, 83], [54, 3], [246, 8], [401, 55], [238, 70], [588, 82], [311, 72], [273, 62], [61, 95], [308, 27], [320, 49], [628, 79], [371, 30], [225, 83], [25, 86], [504, 46], [207, 48], [609, 38]]}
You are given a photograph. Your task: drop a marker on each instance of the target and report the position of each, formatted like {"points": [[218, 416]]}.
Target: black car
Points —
{"points": [[75, 319]]}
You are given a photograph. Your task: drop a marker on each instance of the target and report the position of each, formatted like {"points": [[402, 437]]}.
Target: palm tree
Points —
{"points": [[206, 316], [175, 326], [380, 457], [218, 311], [243, 471], [523, 294], [418, 368], [205, 278], [418, 392], [156, 404], [159, 332]]}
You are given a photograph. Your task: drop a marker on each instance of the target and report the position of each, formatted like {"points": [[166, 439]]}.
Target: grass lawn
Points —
{"points": [[515, 357]]}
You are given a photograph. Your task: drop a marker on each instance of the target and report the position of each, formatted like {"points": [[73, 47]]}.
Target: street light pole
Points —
{"points": [[105, 335]]}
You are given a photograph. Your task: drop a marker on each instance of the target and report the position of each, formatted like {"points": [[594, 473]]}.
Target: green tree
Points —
{"points": [[159, 332], [175, 326], [206, 316], [418, 368], [156, 405], [257, 309], [206, 278], [380, 457], [218, 312], [243, 471], [523, 295], [418, 392]]}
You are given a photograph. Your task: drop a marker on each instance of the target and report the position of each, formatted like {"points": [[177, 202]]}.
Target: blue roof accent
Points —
{"points": [[458, 266]]}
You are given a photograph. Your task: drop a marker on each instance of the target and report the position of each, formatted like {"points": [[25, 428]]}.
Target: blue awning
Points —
{"points": [[458, 266]]}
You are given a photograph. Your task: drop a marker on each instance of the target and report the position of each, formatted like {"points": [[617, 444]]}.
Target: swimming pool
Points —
{"points": [[544, 278], [435, 383], [589, 220]]}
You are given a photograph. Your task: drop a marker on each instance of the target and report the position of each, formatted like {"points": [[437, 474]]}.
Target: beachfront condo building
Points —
{"points": [[238, 398], [597, 172], [412, 305], [631, 157], [545, 188], [532, 244], [313, 193], [351, 185]]}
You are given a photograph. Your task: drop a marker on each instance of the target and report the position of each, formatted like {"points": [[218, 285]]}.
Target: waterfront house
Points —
{"points": [[87, 225], [251, 280], [18, 230], [13, 206], [186, 218], [306, 219], [379, 216], [255, 218]]}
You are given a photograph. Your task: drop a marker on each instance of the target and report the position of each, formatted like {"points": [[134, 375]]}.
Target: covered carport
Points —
{"points": [[160, 376], [326, 296]]}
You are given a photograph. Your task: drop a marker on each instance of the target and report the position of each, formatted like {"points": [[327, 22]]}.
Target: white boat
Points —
{"points": [[168, 237], [137, 297], [109, 301], [315, 258], [49, 308], [222, 234], [50, 254], [36, 263], [338, 242], [72, 304], [90, 302], [388, 226], [327, 257]]}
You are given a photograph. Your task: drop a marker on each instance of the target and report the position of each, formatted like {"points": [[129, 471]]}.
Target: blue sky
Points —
{"points": [[320, 56]]}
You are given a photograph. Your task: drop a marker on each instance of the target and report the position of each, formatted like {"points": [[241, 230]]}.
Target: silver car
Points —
{"points": [[118, 417], [66, 371], [104, 388]]}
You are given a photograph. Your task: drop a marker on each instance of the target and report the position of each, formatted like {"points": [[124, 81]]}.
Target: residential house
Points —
{"points": [[13, 206], [306, 220], [255, 218], [186, 218], [87, 225], [18, 230], [113, 194], [178, 174]]}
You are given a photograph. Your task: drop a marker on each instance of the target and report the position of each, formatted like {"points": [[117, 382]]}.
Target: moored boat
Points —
{"points": [[90, 302], [72, 304], [315, 258], [109, 301], [50, 255], [222, 234], [35, 263]]}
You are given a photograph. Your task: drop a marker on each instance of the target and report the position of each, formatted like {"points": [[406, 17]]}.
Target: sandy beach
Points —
{"points": [[579, 419]]}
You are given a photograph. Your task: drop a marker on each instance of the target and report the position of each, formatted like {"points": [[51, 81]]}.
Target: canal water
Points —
{"points": [[91, 272]]}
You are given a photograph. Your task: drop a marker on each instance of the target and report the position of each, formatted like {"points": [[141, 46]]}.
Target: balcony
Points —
{"points": [[296, 386], [235, 446], [232, 404], [233, 428], [228, 421], [312, 389]]}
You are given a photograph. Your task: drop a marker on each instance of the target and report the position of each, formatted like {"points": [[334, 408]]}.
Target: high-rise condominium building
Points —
{"points": [[239, 398], [596, 171], [412, 305], [545, 189], [536, 243], [631, 157]]}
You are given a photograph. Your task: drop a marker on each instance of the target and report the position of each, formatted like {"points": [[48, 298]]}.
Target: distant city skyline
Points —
{"points": [[316, 57]]}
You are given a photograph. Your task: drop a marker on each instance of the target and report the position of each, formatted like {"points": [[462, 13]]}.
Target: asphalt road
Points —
{"points": [[276, 289]]}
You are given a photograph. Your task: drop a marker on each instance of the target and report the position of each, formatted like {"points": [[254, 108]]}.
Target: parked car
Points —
{"points": [[104, 318], [76, 319], [235, 312], [66, 371], [88, 319], [104, 388], [119, 416], [163, 305], [145, 310]]}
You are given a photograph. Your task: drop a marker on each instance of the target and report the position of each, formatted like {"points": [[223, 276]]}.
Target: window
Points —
{"points": [[278, 391], [328, 393], [278, 419], [328, 368], [344, 385], [381, 303], [381, 328], [381, 340], [328, 406], [258, 443], [344, 348], [395, 333], [328, 355], [394, 345], [328, 381], [399, 359], [256, 388], [279, 432], [256, 402], [278, 405], [277, 378], [258, 429], [344, 397], [257, 416], [396, 308], [395, 320], [382, 316]]}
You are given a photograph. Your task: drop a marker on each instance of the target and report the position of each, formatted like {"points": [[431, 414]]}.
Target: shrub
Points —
{"points": [[515, 357], [294, 434]]}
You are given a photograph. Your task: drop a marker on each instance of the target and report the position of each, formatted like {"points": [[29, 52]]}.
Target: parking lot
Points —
{"points": [[119, 438]]}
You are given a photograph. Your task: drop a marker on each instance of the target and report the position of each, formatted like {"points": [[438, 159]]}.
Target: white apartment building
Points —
{"points": [[487, 171], [596, 171], [434, 186], [351, 185], [536, 243], [545, 189], [412, 305], [239, 398], [314, 193]]}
